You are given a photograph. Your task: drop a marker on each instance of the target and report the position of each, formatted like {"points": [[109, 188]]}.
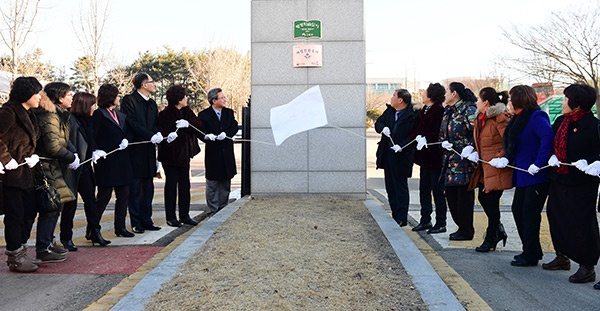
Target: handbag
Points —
{"points": [[46, 195]]}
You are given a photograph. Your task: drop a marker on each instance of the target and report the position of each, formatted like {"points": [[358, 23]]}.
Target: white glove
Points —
{"points": [[553, 161], [593, 169], [533, 169], [446, 145], [466, 151], [210, 137], [473, 157], [156, 138], [97, 154], [172, 136], [221, 136], [581, 164], [182, 123], [499, 162], [421, 142], [1, 168], [386, 131], [396, 148], [124, 143], [11, 165], [75, 164], [32, 160]]}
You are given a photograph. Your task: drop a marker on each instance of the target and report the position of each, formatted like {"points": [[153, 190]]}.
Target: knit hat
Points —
{"points": [[23, 88]]}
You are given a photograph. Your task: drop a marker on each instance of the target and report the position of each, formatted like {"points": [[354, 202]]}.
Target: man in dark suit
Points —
{"points": [[142, 118], [219, 125], [395, 124]]}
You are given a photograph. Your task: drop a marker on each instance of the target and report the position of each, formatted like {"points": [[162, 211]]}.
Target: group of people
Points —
{"points": [[81, 144], [496, 141]]}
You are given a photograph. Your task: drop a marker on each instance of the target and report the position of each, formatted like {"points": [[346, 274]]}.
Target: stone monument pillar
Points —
{"points": [[329, 160]]}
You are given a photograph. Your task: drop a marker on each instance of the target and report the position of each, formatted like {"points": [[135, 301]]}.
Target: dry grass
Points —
{"points": [[293, 254]]}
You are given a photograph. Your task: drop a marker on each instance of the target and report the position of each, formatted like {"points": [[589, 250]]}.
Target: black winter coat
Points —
{"points": [[19, 132], [116, 169], [142, 119], [180, 151], [583, 143], [400, 133], [428, 125], [219, 157], [80, 136]]}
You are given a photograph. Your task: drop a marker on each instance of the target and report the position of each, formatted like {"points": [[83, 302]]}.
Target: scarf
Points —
{"points": [[514, 128], [560, 140]]}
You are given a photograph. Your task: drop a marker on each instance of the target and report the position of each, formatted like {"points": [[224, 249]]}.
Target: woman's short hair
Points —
{"points": [[175, 94], [23, 88], [581, 95], [523, 97], [82, 104], [435, 92], [493, 97], [56, 90], [107, 95]]}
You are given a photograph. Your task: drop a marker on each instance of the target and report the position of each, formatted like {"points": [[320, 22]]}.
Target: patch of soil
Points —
{"points": [[293, 254]]}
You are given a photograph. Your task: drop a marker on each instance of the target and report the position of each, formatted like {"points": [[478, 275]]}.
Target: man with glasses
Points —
{"points": [[142, 118], [218, 125]]}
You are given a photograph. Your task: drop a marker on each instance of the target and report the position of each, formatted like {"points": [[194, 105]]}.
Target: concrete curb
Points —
{"points": [[139, 296], [434, 291]]}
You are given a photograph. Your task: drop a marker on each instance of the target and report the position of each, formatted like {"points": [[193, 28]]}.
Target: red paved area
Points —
{"points": [[95, 260]]}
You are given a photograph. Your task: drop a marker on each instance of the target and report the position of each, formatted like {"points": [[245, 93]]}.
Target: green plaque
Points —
{"points": [[307, 29]]}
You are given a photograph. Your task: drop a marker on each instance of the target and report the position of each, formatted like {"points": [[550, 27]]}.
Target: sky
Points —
{"points": [[424, 40]]}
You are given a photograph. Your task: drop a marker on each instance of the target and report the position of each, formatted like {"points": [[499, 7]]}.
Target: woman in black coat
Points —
{"points": [[572, 196], [83, 179], [19, 133], [175, 154], [114, 171]]}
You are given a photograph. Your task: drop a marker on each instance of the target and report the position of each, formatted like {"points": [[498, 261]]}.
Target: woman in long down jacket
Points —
{"points": [[489, 130], [19, 133], [456, 133], [572, 197], [113, 172], [527, 144], [53, 118], [176, 153]]}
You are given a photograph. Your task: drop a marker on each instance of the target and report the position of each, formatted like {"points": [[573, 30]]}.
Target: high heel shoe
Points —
{"points": [[502, 236], [88, 234], [96, 238], [124, 233], [487, 246]]}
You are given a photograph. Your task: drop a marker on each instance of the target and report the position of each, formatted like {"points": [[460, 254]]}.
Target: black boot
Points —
{"points": [[490, 241], [502, 236], [88, 233], [96, 238]]}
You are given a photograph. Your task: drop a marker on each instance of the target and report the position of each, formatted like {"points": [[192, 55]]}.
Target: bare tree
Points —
{"points": [[224, 68], [18, 18], [90, 32], [476, 84], [564, 50]]}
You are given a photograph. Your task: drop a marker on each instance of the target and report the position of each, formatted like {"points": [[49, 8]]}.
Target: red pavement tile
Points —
{"points": [[95, 260]]}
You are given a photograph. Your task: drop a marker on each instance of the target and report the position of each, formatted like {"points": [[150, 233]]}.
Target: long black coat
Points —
{"points": [[81, 139], [428, 125], [219, 157], [116, 169], [142, 119], [19, 132], [400, 133], [181, 150]]}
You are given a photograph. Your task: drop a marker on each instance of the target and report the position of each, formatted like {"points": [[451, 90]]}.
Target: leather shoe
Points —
{"points": [[597, 285], [151, 228], [421, 227], [560, 262], [69, 245], [457, 236], [436, 229], [583, 275], [522, 262], [402, 223], [124, 233], [138, 230], [174, 223], [188, 221]]}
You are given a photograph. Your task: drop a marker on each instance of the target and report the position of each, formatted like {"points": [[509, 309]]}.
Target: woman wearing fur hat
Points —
{"points": [[490, 124], [54, 122], [19, 132], [573, 193]]}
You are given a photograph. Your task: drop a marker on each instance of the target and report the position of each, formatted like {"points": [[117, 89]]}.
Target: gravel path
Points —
{"points": [[293, 254]]}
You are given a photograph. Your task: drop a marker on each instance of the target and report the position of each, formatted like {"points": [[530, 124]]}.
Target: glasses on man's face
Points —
{"points": [[70, 94], [151, 81], [222, 97]]}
